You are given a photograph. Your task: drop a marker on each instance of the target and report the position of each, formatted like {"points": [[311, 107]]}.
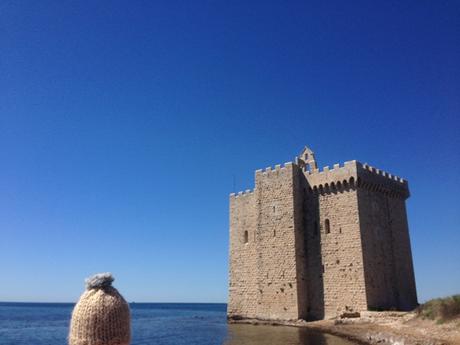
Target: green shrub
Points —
{"points": [[441, 309]]}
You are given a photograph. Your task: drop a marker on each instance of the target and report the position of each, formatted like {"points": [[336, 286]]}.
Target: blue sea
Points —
{"points": [[152, 324]]}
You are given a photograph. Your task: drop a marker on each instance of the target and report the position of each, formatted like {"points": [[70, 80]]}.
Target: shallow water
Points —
{"points": [[153, 323], [279, 335]]}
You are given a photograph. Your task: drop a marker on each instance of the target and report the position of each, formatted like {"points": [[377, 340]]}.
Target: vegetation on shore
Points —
{"points": [[441, 309]]}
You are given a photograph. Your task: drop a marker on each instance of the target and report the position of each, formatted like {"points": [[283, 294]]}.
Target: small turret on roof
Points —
{"points": [[306, 159]]}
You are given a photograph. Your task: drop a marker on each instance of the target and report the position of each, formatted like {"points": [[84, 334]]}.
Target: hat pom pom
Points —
{"points": [[98, 281]]}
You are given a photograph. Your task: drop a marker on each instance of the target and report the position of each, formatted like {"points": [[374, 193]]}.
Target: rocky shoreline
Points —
{"points": [[383, 328]]}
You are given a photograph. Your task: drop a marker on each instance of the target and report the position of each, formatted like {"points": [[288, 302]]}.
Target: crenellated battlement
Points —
{"points": [[379, 180], [356, 174], [326, 169], [242, 193], [267, 172], [341, 175], [276, 168], [383, 173], [337, 177]]}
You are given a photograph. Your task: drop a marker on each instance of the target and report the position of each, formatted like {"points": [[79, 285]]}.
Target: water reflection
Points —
{"points": [[240, 334]]}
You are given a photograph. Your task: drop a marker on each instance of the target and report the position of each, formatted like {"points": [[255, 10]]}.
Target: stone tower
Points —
{"points": [[313, 244]]}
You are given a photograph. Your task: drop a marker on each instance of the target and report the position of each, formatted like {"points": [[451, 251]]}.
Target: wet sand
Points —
{"points": [[398, 328]]}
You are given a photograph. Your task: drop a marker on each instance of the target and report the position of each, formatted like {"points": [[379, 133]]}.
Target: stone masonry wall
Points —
{"points": [[301, 243], [404, 270], [242, 301], [337, 278], [378, 241], [276, 244], [388, 269]]}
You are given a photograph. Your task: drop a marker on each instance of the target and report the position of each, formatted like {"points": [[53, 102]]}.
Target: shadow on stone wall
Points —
{"points": [[313, 257]]}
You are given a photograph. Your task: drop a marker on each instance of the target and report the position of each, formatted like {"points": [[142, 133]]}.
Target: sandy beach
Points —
{"points": [[398, 328]]}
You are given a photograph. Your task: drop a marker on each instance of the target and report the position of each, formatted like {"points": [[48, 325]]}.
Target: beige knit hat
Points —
{"points": [[101, 316]]}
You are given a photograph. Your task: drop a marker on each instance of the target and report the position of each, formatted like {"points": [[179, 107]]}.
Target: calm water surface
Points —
{"points": [[153, 323]]}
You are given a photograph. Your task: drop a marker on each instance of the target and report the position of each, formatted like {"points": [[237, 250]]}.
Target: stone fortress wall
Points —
{"points": [[312, 244]]}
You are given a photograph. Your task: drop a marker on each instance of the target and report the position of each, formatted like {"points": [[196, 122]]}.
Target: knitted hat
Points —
{"points": [[101, 316]]}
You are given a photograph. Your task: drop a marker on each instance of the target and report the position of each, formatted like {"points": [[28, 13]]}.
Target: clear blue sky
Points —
{"points": [[125, 125]]}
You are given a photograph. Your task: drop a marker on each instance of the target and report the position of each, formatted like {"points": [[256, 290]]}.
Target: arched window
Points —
{"points": [[246, 237], [327, 226]]}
